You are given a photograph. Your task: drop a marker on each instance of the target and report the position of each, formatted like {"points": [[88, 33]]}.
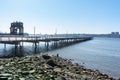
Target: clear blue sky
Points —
{"points": [[71, 16]]}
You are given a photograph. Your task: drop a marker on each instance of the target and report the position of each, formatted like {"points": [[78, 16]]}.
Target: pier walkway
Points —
{"points": [[36, 39]]}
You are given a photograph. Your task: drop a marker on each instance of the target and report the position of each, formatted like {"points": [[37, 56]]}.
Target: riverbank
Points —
{"points": [[46, 67]]}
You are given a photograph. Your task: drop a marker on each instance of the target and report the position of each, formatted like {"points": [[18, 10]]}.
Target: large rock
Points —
{"points": [[46, 56], [1, 67], [3, 78], [57, 70], [5, 75], [51, 63], [28, 72], [21, 78]]}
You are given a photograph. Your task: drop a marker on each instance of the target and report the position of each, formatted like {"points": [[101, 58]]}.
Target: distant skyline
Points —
{"points": [[62, 16]]}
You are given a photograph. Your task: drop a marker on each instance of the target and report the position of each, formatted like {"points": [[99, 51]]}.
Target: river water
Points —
{"points": [[101, 54]]}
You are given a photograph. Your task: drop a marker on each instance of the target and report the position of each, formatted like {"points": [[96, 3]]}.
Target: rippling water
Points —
{"points": [[102, 54]]}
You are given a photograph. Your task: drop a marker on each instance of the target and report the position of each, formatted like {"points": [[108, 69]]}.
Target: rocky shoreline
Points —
{"points": [[46, 67]]}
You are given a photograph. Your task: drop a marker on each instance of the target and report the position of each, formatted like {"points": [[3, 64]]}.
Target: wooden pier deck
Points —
{"points": [[34, 39]]}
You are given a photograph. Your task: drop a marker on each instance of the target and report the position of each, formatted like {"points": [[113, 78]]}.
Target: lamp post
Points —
{"points": [[34, 31]]}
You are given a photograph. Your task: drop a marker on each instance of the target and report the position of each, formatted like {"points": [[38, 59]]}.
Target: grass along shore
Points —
{"points": [[46, 67]]}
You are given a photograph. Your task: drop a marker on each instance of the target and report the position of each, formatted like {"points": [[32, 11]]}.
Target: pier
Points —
{"points": [[37, 39], [18, 40]]}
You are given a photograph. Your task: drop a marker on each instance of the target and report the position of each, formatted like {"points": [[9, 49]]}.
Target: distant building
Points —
{"points": [[115, 33], [17, 28]]}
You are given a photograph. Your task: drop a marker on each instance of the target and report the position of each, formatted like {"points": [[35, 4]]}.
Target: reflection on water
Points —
{"points": [[31, 48]]}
